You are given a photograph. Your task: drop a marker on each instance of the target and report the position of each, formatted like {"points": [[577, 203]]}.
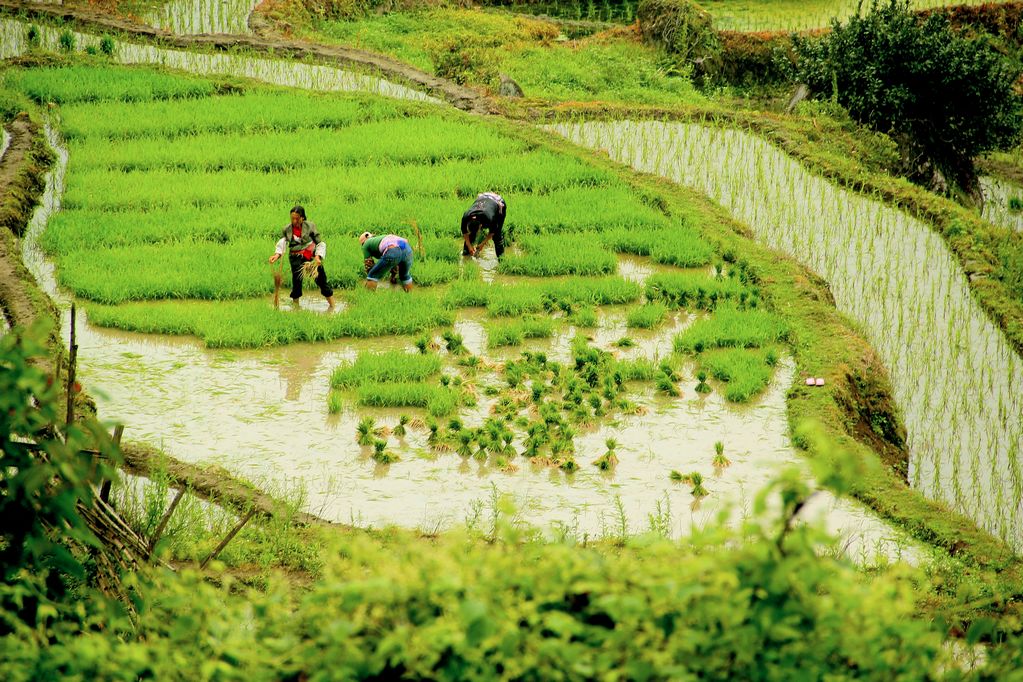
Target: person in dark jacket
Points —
{"points": [[393, 252], [485, 215], [302, 241]]}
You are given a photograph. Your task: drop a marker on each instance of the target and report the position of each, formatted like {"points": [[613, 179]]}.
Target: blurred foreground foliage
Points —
{"points": [[766, 601]]}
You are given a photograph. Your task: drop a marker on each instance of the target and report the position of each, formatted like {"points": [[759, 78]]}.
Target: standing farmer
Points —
{"points": [[393, 251], [302, 240], [486, 212]]}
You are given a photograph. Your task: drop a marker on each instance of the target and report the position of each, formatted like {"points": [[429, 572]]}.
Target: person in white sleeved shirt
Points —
{"points": [[302, 241]]}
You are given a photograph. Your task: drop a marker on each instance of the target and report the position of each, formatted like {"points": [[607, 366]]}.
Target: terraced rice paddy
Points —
{"points": [[172, 216], [14, 40], [958, 383], [185, 17]]}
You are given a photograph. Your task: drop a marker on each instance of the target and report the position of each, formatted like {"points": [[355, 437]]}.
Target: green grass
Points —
{"points": [[395, 366], [523, 48], [792, 15], [728, 327], [745, 370]]}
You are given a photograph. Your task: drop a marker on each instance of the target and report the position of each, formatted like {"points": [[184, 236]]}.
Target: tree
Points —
{"points": [[942, 96]]}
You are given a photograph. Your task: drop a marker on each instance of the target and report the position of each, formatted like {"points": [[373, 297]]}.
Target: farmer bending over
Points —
{"points": [[392, 251], [303, 242], [486, 212]]}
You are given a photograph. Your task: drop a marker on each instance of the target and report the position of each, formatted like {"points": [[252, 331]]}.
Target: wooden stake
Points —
{"points": [[104, 490], [223, 543], [163, 522], [72, 361]]}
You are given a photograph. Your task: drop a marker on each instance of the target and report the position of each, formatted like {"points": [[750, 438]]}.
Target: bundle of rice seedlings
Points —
{"points": [[309, 269]]}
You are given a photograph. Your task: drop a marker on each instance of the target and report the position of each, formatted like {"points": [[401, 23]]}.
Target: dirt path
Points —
{"points": [[85, 18], [21, 171]]}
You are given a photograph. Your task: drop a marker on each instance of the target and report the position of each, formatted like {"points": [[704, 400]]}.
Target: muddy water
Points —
{"points": [[189, 17], [14, 41], [997, 194], [957, 381], [263, 415]]}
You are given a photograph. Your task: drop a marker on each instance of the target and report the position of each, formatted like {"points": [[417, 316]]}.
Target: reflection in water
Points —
{"points": [[998, 203], [188, 17], [14, 41], [955, 378]]}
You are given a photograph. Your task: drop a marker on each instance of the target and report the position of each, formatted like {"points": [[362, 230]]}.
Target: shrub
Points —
{"points": [[751, 58], [944, 97], [466, 60], [66, 41], [681, 27]]}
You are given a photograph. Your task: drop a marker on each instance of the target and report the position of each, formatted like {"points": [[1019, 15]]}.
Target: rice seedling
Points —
{"points": [[561, 254], [390, 366], [696, 290], [609, 460], [702, 386], [425, 343], [646, 316], [84, 83], [454, 343], [516, 300], [696, 480], [568, 464], [625, 342], [677, 476], [640, 369], [583, 316], [745, 371], [666, 385], [381, 455], [256, 111], [720, 461], [678, 245], [401, 428], [514, 332], [365, 431], [465, 441], [729, 326], [335, 402], [439, 401]]}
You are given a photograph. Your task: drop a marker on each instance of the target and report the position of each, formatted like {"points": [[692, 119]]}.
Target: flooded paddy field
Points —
{"points": [[957, 382], [266, 413]]}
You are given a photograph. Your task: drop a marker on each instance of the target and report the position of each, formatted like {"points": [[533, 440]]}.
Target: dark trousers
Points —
{"points": [[296, 279], [496, 232]]}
